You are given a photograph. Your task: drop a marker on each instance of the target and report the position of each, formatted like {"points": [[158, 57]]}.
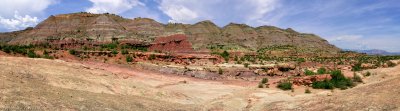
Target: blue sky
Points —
{"points": [[348, 24]]}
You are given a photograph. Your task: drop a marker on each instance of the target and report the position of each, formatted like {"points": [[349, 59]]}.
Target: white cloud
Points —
{"points": [[24, 7], [113, 6], [180, 13], [18, 22], [220, 11], [19, 14]]}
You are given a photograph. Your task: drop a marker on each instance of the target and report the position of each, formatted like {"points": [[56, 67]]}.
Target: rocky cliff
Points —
{"points": [[202, 35]]}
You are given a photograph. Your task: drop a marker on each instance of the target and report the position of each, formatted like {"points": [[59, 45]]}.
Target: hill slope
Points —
{"points": [[103, 27]]}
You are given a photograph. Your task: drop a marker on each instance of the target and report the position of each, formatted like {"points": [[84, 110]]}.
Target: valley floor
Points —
{"points": [[42, 84]]}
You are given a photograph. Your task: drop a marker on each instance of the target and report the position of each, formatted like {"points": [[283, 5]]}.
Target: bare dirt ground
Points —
{"points": [[44, 84]]}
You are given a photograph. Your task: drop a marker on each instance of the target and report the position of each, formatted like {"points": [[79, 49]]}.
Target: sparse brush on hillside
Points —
{"points": [[109, 46]]}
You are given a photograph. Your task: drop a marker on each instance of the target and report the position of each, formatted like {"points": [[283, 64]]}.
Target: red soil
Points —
{"points": [[173, 43]]}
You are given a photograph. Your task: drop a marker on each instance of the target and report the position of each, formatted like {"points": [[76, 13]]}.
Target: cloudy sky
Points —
{"points": [[349, 24]]}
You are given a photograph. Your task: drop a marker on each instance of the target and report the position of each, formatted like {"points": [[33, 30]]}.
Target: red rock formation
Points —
{"points": [[173, 43]]}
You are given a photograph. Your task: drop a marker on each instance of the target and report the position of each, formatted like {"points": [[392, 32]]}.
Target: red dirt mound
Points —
{"points": [[173, 43]]}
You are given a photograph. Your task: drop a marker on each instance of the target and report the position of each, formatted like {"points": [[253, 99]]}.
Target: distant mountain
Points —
{"points": [[376, 52]]}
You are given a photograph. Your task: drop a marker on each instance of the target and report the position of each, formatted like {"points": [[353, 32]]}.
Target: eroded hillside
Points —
{"points": [[203, 35]]}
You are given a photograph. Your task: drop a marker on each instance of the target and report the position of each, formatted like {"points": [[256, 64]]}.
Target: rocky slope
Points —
{"points": [[103, 27]]}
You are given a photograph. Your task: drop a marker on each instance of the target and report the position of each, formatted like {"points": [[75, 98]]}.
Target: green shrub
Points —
{"points": [[220, 71], [300, 60], [264, 80], [236, 58], [225, 55], [340, 81], [357, 78], [115, 52], [152, 57], [124, 52], [72, 52], [390, 64], [321, 71], [368, 74], [356, 67], [326, 84], [129, 59], [285, 85], [109, 46], [32, 54], [307, 91], [246, 65], [260, 85], [308, 72]]}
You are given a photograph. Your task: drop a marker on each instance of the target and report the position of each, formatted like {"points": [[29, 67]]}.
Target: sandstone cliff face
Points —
{"points": [[103, 27]]}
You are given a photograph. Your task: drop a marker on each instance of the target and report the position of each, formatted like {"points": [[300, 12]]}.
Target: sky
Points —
{"points": [[348, 24]]}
